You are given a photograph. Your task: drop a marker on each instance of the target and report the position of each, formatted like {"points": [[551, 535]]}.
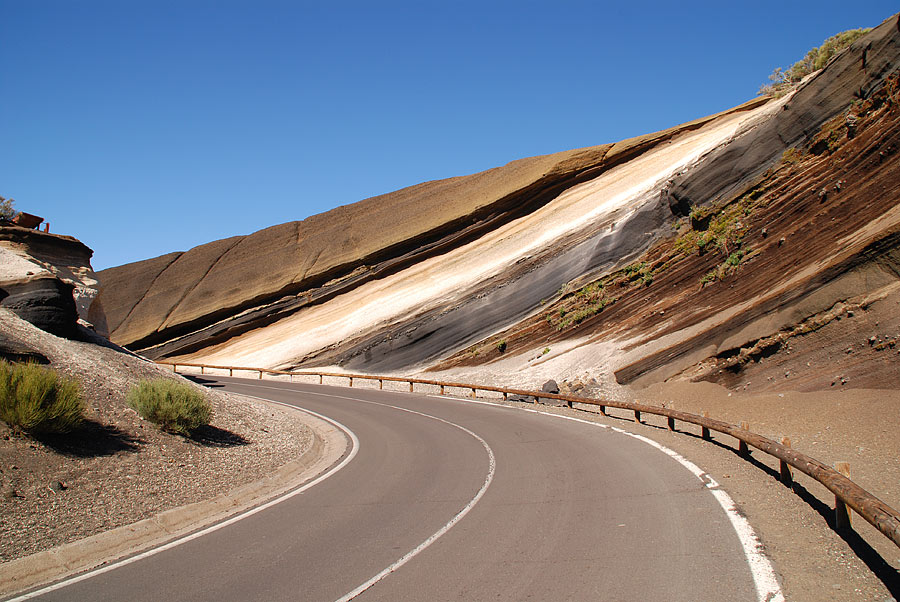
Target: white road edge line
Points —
{"points": [[492, 466], [172, 544], [761, 569]]}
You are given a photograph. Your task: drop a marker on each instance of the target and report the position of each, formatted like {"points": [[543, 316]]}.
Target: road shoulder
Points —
{"points": [[329, 445]]}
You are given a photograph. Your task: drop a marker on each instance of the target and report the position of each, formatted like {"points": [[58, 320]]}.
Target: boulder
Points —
{"points": [[550, 387]]}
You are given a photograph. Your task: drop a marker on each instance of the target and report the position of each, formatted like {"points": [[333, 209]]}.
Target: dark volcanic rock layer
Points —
{"points": [[850, 75], [45, 302]]}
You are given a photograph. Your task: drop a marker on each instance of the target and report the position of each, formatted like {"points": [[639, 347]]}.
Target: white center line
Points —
{"points": [[492, 466]]}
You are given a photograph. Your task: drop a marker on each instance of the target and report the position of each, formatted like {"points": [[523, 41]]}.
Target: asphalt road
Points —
{"points": [[566, 511]]}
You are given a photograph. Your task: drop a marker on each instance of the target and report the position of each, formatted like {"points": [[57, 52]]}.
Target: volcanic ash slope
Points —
{"points": [[489, 283]]}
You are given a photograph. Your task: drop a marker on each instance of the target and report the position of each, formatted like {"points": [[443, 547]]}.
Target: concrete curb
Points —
{"points": [[42, 568]]}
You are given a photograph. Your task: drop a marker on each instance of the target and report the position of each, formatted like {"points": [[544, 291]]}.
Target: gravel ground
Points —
{"points": [[119, 468]]}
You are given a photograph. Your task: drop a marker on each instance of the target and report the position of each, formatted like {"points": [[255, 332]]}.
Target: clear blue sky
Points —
{"points": [[145, 127]]}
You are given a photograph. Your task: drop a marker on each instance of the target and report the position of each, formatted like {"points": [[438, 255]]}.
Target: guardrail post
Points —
{"points": [[602, 410], [260, 375], [704, 432], [473, 394], [505, 395], [321, 379], [291, 376], [670, 423], [841, 511], [381, 383], [742, 445], [786, 477], [442, 389], [410, 386], [231, 372], [637, 416], [351, 381]]}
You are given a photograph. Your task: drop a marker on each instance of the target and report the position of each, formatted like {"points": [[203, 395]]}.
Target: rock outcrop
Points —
{"points": [[47, 280]]}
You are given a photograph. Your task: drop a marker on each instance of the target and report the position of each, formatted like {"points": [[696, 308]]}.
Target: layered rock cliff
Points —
{"points": [[676, 252], [47, 280]]}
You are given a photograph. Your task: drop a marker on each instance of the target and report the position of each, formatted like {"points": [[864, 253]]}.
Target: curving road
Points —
{"points": [[493, 504]]}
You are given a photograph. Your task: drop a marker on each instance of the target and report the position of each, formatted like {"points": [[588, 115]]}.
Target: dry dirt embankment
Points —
{"points": [[120, 469], [117, 483]]}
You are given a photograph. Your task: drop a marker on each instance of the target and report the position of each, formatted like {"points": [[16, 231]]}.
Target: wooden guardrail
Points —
{"points": [[848, 495]]}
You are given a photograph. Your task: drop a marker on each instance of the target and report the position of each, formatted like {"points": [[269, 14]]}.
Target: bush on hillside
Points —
{"points": [[6, 208], [815, 59], [36, 400], [176, 407]]}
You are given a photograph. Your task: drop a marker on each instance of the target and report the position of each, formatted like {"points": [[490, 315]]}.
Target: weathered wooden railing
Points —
{"points": [[847, 493]]}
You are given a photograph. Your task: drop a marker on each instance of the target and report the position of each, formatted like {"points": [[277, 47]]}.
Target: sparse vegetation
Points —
{"points": [[7, 211], [501, 346], [729, 266], [176, 407], [545, 351], [585, 302], [36, 400], [782, 80], [792, 156], [710, 276]]}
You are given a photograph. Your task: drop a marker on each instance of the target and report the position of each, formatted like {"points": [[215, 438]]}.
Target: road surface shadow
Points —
{"points": [[209, 384]]}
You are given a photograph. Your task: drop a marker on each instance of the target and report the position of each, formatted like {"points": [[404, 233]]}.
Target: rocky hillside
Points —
{"points": [[737, 248], [115, 468]]}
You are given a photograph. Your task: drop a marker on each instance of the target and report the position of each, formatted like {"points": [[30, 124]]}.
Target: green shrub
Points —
{"points": [[501, 346], [815, 59], [36, 400], [176, 407], [734, 259], [7, 211]]}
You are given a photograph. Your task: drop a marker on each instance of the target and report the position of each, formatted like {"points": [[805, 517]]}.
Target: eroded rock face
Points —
{"points": [[199, 297], [850, 75], [46, 302], [260, 299], [47, 279]]}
